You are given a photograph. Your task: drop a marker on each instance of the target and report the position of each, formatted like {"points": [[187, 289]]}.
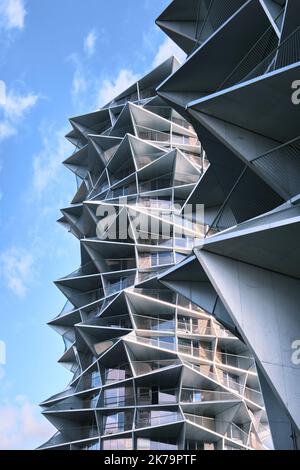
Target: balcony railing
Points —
{"points": [[154, 324], [119, 176], [189, 395], [233, 432], [120, 401], [114, 428], [118, 373], [149, 421], [152, 134], [145, 367], [120, 264], [79, 404], [114, 287], [115, 322], [254, 395], [88, 297]]}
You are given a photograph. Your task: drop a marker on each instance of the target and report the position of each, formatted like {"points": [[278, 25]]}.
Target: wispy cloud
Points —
{"points": [[16, 105], [165, 50], [13, 108], [22, 426], [89, 43], [17, 269], [6, 130], [80, 83], [48, 162], [109, 89], [2, 92], [12, 14]]}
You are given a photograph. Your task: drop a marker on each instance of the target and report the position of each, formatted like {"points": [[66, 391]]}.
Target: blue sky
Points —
{"points": [[58, 58]]}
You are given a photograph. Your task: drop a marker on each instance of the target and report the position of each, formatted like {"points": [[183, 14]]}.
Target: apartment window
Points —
{"points": [[145, 396], [117, 444], [114, 423], [191, 396], [117, 422], [94, 446], [199, 445], [118, 396], [94, 401], [95, 379], [167, 396], [166, 342], [156, 417], [231, 380], [114, 375], [149, 444], [158, 259]]}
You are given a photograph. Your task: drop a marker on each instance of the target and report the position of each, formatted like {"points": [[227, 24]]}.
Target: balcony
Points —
{"points": [[195, 329], [236, 387], [114, 287], [119, 400], [200, 396], [160, 396], [152, 134], [120, 175], [196, 351], [156, 342], [118, 373], [233, 432], [145, 367], [120, 264], [149, 419], [154, 324], [117, 422], [119, 321]]}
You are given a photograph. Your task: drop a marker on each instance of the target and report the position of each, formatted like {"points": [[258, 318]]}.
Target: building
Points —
{"points": [[240, 89], [191, 341], [151, 368]]}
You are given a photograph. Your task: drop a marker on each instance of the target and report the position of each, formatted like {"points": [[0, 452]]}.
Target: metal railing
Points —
{"points": [[233, 432], [281, 165], [147, 421], [254, 395], [114, 428], [145, 367], [190, 395], [114, 287], [287, 52], [153, 134]]}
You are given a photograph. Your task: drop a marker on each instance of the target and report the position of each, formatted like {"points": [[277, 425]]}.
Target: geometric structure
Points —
{"points": [[151, 369], [238, 88]]}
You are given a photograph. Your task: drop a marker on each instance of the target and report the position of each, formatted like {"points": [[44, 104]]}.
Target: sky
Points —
{"points": [[58, 59]]}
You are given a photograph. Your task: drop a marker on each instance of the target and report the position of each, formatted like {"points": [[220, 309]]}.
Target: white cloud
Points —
{"points": [[112, 88], [22, 426], [6, 130], [12, 13], [17, 269], [2, 93], [17, 105], [90, 43], [165, 50], [13, 108], [48, 162], [80, 83]]}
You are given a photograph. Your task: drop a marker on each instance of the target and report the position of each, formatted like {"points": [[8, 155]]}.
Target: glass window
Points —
{"points": [[94, 446], [117, 444], [114, 375], [114, 396], [95, 379], [148, 444]]}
